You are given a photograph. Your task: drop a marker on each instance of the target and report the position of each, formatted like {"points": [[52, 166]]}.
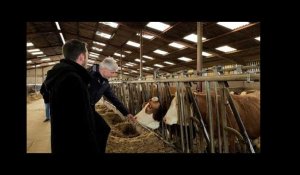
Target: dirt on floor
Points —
{"points": [[129, 137]]}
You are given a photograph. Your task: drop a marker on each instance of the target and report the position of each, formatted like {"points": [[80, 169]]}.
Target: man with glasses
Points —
{"points": [[99, 86]]}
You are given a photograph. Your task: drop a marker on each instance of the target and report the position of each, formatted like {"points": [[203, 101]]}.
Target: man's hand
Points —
{"points": [[131, 117]]}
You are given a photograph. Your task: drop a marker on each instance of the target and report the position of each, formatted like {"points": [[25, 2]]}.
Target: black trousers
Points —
{"points": [[102, 132]]}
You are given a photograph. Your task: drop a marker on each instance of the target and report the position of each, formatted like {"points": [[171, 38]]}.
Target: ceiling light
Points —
{"points": [[98, 43], [62, 38], [45, 59], [226, 49], [104, 35], [206, 54], [167, 62], [146, 36], [111, 24], [147, 57], [37, 53], [185, 59], [138, 60], [161, 52], [28, 44], [233, 25], [176, 45], [96, 48], [158, 26], [119, 55], [193, 37], [158, 65], [57, 26], [134, 44], [93, 53], [33, 50]]}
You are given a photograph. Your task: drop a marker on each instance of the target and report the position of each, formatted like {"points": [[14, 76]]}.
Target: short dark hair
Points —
{"points": [[73, 48]]}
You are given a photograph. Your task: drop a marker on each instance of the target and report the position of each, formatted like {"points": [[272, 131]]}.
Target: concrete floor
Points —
{"points": [[38, 132]]}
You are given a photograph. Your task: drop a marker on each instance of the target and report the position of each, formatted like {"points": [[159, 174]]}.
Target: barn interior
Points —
{"points": [[144, 51]]}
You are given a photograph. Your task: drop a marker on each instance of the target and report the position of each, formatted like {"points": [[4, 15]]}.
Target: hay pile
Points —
{"points": [[127, 137]]}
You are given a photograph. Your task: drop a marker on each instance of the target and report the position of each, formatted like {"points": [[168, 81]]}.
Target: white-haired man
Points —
{"points": [[99, 86]]}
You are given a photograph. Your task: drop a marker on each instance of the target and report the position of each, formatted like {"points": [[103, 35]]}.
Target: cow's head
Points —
{"points": [[171, 116], [152, 106], [145, 116]]}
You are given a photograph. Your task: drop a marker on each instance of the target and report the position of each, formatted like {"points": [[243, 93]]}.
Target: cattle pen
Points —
{"points": [[192, 133]]}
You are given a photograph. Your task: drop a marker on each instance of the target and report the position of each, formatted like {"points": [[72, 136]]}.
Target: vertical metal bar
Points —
{"points": [[179, 116], [121, 66], [198, 114], [218, 117], [184, 117], [141, 54], [189, 106], [35, 78], [199, 52], [182, 131], [210, 119], [223, 118], [239, 121]]}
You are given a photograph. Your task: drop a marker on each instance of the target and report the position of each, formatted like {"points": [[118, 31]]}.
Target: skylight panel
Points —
{"points": [[176, 45], [170, 63], [146, 36], [103, 35], [158, 65], [206, 54], [99, 43], [111, 24], [186, 59], [226, 49], [158, 26], [160, 52], [148, 57], [233, 25], [29, 44], [134, 44], [193, 37]]}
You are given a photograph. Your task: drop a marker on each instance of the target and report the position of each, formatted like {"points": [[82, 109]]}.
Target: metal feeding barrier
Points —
{"points": [[134, 93]]}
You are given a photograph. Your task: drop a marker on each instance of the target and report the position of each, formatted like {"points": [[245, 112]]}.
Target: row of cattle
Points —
{"points": [[247, 104]]}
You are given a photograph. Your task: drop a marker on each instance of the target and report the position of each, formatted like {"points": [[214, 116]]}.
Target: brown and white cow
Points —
{"points": [[145, 116], [248, 107]]}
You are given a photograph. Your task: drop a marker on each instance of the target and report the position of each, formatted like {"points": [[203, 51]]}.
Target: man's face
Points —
{"points": [[108, 73]]}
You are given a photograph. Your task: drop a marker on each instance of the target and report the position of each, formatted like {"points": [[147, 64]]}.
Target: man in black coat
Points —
{"points": [[99, 86], [73, 129]]}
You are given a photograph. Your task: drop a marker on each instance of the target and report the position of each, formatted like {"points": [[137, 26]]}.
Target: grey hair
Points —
{"points": [[109, 63]]}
